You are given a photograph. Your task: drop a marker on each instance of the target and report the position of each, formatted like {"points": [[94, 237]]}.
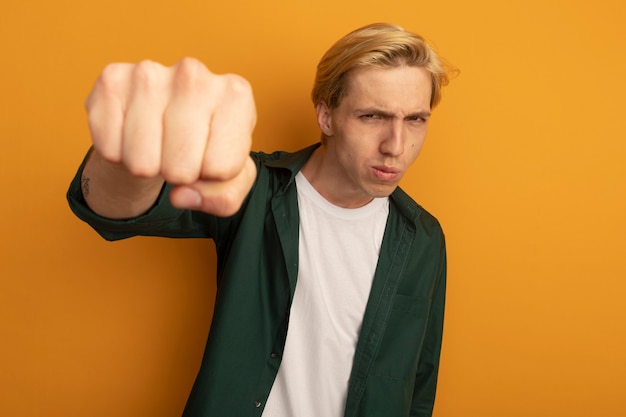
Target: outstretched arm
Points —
{"points": [[181, 124]]}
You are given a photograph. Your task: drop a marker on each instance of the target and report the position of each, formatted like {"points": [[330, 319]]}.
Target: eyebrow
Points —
{"points": [[423, 114], [373, 110]]}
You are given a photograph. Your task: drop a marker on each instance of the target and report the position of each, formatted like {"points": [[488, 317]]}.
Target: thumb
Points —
{"points": [[220, 198], [185, 197]]}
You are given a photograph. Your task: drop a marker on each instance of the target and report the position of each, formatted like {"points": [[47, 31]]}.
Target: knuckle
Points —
{"points": [[238, 86], [108, 149], [191, 64], [239, 92], [147, 66], [108, 152], [94, 121], [109, 84], [147, 73], [177, 175], [112, 74], [190, 72], [221, 169], [140, 167]]}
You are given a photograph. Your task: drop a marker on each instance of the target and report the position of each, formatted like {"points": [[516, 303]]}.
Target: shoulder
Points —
{"points": [[263, 157], [279, 168], [291, 161], [414, 213]]}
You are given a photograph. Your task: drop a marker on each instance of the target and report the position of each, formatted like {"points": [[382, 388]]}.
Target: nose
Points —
{"points": [[393, 140]]}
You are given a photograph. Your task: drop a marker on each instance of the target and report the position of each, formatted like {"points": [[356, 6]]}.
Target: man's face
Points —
{"points": [[378, 129]]}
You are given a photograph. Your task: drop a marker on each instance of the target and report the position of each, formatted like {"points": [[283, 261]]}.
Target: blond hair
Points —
{"points": [[378, 45]]}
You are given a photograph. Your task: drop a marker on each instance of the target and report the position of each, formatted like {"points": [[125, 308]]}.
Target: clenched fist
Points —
{"points": [[181, 124]]}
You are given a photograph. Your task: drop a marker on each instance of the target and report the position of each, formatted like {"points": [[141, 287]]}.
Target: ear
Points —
{"points": [[324, 118]]}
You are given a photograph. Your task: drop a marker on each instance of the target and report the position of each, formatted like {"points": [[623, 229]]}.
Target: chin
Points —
{"points": [[381, 192]]}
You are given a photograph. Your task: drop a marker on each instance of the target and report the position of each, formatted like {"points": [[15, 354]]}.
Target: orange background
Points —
{"points": [[524, 166]]}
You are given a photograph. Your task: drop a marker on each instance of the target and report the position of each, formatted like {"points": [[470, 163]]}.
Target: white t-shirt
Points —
{"points": [[338, 253]]}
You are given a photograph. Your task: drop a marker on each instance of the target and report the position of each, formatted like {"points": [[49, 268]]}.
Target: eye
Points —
{"points": [[369, 116], [417, 119]]}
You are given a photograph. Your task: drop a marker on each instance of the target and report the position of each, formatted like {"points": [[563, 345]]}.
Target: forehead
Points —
{"points": [[388, 87]]}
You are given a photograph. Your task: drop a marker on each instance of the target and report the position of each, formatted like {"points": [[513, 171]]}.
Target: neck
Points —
{"points": [[324, 174]]}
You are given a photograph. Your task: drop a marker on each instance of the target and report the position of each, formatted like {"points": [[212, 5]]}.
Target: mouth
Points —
{"points": [[386, 173]]}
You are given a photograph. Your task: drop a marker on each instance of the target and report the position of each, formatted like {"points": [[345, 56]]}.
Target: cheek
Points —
{"points": [[414, 149]]}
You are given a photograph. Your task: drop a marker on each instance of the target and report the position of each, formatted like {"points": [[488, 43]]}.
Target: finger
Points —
{"points": [[230, 135], [106, 105], [143, 124], [186, 122], [219, 198]]}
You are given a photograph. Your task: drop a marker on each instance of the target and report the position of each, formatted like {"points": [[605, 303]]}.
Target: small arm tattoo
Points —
{"points": [[84, 185]]}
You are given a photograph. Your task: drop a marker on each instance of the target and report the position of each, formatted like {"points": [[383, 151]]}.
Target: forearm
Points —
{"points": [[111, 191]]}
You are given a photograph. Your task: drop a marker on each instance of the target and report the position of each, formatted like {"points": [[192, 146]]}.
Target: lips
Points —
{"points": [[385, 173]]}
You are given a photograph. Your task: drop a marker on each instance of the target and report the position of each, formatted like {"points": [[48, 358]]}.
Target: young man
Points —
{"points": [[331, 280]]}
